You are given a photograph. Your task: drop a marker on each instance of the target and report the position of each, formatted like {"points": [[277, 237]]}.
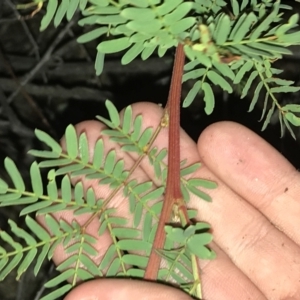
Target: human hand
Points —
{"points": [[255, 217]]}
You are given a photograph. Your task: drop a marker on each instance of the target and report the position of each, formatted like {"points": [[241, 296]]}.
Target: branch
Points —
{"points": [[173, 192]]}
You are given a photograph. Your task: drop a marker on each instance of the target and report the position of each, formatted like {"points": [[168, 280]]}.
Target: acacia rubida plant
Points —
{"points": [[217, 43]]}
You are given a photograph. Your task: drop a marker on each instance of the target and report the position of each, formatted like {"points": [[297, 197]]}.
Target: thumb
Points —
{"points": [[124, 289]]}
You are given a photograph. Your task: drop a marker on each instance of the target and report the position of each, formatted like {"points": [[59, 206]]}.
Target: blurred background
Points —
{"points": [[47, 81]]}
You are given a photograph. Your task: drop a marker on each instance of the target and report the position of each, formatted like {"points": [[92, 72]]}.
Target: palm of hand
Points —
{"points": [[254, 215]]}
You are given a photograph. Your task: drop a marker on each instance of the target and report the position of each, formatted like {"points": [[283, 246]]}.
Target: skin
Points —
{"points": [[254, 215]]}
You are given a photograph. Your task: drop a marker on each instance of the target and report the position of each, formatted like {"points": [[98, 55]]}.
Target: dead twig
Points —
{"points": [[58, 91], [42, 62]]}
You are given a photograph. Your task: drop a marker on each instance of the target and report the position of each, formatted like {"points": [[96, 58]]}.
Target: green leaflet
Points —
{"points": [[243, 29], [209, 98], [61, 11], [248, 84], [138, 14], [235, 7], [264, 25], [256, 95], [192, 94], [182, 25], [36, 179], [145, 27], [178, 14], [113, 46], [245, 68], [132, 53], [14, 174], [223, 29], [99, 63], [293, 119], [167, 6], [216, 79], [49, 141], [50, 11], [72, 8], [92, 35]]}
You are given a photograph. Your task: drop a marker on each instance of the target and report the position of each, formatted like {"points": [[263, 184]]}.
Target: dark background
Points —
{"points": [[47, 81]]}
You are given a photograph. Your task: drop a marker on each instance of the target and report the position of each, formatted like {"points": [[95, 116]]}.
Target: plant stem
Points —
{"points": [[173, 196]]}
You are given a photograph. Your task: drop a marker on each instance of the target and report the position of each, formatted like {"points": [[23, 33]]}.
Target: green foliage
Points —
{"points": [[128, 235], [225, 45], [229, 44]]}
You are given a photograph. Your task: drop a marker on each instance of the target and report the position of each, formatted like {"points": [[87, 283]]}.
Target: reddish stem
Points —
{"points": [[173, 194]]}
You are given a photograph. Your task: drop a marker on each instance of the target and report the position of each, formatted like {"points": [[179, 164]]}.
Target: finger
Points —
{"points": [[221, 279], [93, 131], [264, 253], [222, 266], [124, 289], [257, 172]]}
